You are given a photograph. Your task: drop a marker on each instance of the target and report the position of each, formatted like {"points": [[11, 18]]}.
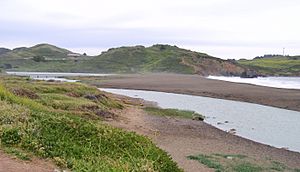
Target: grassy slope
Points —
{"points": [[45, 50], [286, 66], [141, 59], [17, 58], [161, 58], [56, 121], [138, 59]]}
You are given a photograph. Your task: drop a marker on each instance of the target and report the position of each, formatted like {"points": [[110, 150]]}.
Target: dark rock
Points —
{"points": [[90, 97], [249, 74], [198, 117], [51, 80], [232, 131]]}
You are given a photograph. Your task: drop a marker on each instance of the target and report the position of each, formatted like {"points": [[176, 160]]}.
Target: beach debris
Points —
{"points": [[229, 157], [197, 117], [285, 148], [232, 131]]}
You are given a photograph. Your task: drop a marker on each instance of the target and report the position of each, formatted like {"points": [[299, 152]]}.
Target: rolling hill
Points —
{"points": [[161, 58], [136, 59], [274, 66], [4, 50], [139, 59], [46, 50]]}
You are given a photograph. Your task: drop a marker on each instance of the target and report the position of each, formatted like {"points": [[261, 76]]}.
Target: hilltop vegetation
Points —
{"points": [[162, 58], [137, 59], [63, 122], [4, 50], [275, 65], [44, 50]]}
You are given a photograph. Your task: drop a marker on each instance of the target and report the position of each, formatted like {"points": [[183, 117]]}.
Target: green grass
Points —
{"points": [[43, 50], [274, 66], [172, 113], [231, 156], [17, 153], [136, 59], [239, 163], [69, 136], [208, 161], [247, 167], [277, 166]]}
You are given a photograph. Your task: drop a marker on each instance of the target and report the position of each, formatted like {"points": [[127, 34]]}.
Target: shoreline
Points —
{"points": [[215, 125], [200, 86], [184, 137]]}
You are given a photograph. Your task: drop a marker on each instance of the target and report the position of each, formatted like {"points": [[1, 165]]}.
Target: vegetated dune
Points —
{"points": [[63, 122]]}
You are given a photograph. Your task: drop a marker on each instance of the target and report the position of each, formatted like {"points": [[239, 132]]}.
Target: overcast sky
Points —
{"points": [[223, 28]]}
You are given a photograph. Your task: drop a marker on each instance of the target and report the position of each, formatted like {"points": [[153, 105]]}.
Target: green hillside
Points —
{"points": [[43, 50], [136, 59], [140, 59], [35, 58], [277, 65], [4, 50], [160, 58]]}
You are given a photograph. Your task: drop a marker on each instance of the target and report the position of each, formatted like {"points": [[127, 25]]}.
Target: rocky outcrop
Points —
{"points": [[249, 74]]}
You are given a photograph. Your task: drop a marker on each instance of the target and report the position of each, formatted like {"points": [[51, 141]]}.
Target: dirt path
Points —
{"points": [[197, 85], [183, 137], [10, 164]]}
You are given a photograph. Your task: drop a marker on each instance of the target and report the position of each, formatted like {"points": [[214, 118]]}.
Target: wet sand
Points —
{"points": [[197, 85]]}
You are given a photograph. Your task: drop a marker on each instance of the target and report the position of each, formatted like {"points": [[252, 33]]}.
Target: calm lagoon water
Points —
{"points": [[54, 75], [273, 126], [276, 82]]}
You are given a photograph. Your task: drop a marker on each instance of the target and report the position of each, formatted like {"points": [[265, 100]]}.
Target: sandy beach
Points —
{"points": [[197, 85]]}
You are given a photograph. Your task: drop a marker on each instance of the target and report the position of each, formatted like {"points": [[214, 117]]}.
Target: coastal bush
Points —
{"points": [[247, 167], [208, 161], [17, 153], [174, 113]]}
